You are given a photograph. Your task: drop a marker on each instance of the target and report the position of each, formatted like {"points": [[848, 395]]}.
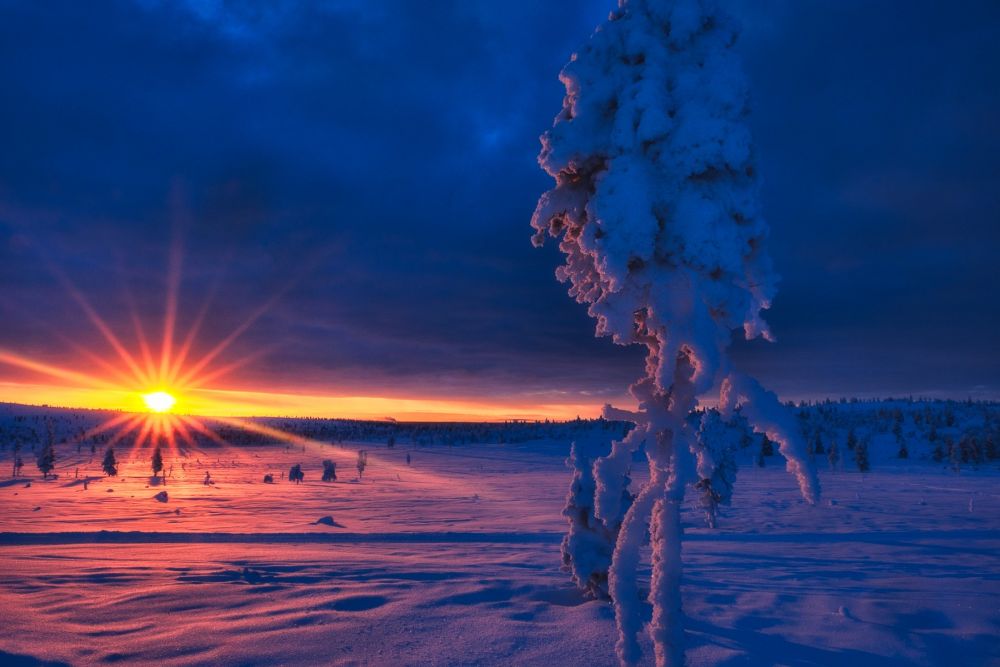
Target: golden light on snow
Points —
{"points": [[159, 401]]}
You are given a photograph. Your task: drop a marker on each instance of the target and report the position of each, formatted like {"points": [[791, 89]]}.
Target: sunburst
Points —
{"points": [[159, 401], [156, 391]]}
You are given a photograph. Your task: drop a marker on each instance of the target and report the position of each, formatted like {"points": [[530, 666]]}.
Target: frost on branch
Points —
{"points": [[655, 207], [766, 414]]}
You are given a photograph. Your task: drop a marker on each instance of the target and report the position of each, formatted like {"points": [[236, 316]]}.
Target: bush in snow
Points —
{"points": [[295, 473], [655, 208], [329, 471]]}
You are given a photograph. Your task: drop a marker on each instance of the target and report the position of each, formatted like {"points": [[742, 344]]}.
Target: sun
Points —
{"points": [[159, 401]]}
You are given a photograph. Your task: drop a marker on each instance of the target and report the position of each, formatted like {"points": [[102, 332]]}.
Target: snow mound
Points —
{"points": [[327, 521]]}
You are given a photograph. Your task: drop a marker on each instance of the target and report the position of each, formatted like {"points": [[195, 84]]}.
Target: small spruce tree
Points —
{"points": [[954, 455], [157, 462], [47, 459], [295, 473], [766, 446], [990, 449], [833, 455], [939, 451], [110, 464], [362, 462], [329, 471], [17, 459], [861, 456]]}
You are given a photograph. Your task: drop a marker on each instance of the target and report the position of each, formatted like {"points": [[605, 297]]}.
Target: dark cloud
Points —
{"points": [[380, 158]]}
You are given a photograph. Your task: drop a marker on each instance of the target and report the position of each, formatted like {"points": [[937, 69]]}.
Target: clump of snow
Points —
{"points": [[656, 210]]}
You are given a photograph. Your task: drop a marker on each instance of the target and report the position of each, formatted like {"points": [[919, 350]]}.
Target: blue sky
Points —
{"points": [[374, 163]]}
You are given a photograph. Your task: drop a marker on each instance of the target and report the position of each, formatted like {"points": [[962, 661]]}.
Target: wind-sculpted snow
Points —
{"points": [[656, 210], [448, 556]]}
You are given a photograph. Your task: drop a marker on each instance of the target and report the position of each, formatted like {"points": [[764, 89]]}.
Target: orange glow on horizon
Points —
{"points": [[166, 389], [243, 403]]}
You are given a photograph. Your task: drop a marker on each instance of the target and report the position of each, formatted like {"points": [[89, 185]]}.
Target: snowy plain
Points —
{"points": [[453, 559]]}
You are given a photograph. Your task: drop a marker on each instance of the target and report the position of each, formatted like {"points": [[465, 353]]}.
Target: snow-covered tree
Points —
{"points": [[329, 471], [656, 210], [295, 474]]}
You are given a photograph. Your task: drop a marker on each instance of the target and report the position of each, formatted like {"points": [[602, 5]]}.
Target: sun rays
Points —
{"points": [[134, 354], [155, 389]]}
